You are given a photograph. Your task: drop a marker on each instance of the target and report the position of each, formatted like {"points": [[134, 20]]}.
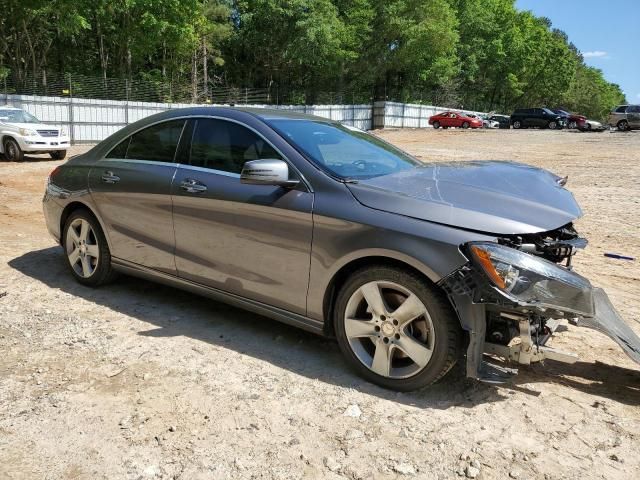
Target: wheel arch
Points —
{"points": [[75, 206], [344, 271]]}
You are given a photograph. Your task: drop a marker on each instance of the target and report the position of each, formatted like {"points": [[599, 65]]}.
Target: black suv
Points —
{"points": [[537, 117]]}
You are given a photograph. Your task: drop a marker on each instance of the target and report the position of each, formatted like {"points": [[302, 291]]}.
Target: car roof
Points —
{"points": [[229, 111]]}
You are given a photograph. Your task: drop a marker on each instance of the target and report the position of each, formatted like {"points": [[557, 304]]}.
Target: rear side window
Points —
{"points": [[621, 109], [157, 143], [226, 146], [634, 109], [120, 150]]}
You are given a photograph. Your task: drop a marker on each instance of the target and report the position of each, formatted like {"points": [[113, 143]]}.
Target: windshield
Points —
{"points": [[17, 116], [346, 152]]}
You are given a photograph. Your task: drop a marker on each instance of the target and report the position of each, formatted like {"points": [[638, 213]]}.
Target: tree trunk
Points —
{"points": [[205, 73]]}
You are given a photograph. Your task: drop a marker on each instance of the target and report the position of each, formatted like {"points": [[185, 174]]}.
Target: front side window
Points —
{"points": [[226, 146], [345, 152]]}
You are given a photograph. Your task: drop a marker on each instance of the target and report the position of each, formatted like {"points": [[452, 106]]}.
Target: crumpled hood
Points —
{"points": [[492, 197]]}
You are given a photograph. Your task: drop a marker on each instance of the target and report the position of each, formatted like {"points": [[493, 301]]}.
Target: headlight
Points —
{"points": [[26, 132], [63, 132], [532, 281]]}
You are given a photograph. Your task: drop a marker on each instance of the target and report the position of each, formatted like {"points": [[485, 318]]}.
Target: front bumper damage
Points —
{"points": [[478, 305]]}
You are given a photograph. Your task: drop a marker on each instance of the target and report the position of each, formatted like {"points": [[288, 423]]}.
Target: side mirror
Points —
{"points": [[267, 172]]}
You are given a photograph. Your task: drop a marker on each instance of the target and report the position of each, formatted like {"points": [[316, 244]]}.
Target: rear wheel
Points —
{"points": [[85, 246], [12, 150], [517, 125], [58, 154], [396, 330], [436, 125], [623, 125], [465, 125]]}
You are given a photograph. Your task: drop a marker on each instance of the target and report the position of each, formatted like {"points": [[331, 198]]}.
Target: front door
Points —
{"points": [[131, 188], [250, 240], [633, 116]]}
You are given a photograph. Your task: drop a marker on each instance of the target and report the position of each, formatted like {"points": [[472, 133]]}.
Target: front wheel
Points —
{"points": [[436, 125], [85, 246], [12, 150], [58, 154], [552, 125], [465, 125], [572, 125], [395, 329], [517, 125]]}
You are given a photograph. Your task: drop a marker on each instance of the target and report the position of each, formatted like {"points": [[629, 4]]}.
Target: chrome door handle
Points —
{"points": [[190, 185], [109, 177]]}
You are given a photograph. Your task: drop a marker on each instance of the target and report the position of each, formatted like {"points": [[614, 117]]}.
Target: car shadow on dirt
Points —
{"points": [[175, 313]]}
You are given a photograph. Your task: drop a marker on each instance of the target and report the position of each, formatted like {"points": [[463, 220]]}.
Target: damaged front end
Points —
{"points": [[514, 293]]}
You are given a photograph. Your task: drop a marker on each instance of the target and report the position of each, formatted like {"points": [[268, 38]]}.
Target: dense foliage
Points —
{"points": [[479, 54]]}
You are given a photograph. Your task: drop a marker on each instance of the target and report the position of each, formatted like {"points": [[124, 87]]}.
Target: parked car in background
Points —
{"points": [[503, 120], [594, 126], [21, 132], [454, 119], [486, 123], [625, 117], [537, 117], [331, 229], [572, 120]]}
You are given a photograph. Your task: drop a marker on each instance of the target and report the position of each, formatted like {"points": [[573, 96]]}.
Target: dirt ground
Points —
{"points": [[136, 380]]}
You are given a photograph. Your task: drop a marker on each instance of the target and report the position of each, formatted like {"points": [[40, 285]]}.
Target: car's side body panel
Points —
{"points": [[136, 210], [250, 240]]}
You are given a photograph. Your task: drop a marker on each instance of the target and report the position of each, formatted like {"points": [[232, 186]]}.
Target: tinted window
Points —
{"points": [[157, 142], [120, 150], [621, 109], [634, 109], [222, 145]]}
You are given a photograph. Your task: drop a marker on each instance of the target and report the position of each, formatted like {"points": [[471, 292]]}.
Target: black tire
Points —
{"points": [[446, 327], [12, 151], [623, 125], [465, 125], [552, 125], [103, 271], [572, 125], [436, 125], [517, 125], [58, 154]]}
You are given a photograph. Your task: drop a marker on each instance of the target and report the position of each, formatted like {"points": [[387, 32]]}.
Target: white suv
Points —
{"points": [[21, 132]]}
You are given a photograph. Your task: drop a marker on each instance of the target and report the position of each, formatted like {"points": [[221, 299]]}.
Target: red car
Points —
{"points": [[573, 120], [454, 119]]}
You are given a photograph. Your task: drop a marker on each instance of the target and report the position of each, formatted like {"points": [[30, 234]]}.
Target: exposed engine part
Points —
{"points": [[522, 339], [556, 245]]}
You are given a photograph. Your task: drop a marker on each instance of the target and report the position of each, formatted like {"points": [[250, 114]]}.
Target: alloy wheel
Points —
{"points": [[389, 329], [82, 247]]}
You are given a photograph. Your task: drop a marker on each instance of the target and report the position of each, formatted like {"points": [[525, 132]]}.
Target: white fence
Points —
{"points": [[90, 121]]}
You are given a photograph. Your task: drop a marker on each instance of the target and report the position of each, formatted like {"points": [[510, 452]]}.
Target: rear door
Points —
{"points": [[131, 188], [249, 240]]}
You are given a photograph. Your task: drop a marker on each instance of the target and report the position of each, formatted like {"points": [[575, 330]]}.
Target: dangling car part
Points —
{"points": [[524, 294]]}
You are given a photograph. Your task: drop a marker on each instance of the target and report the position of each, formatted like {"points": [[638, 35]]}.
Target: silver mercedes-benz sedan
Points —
{"points": [[410, 266]]}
